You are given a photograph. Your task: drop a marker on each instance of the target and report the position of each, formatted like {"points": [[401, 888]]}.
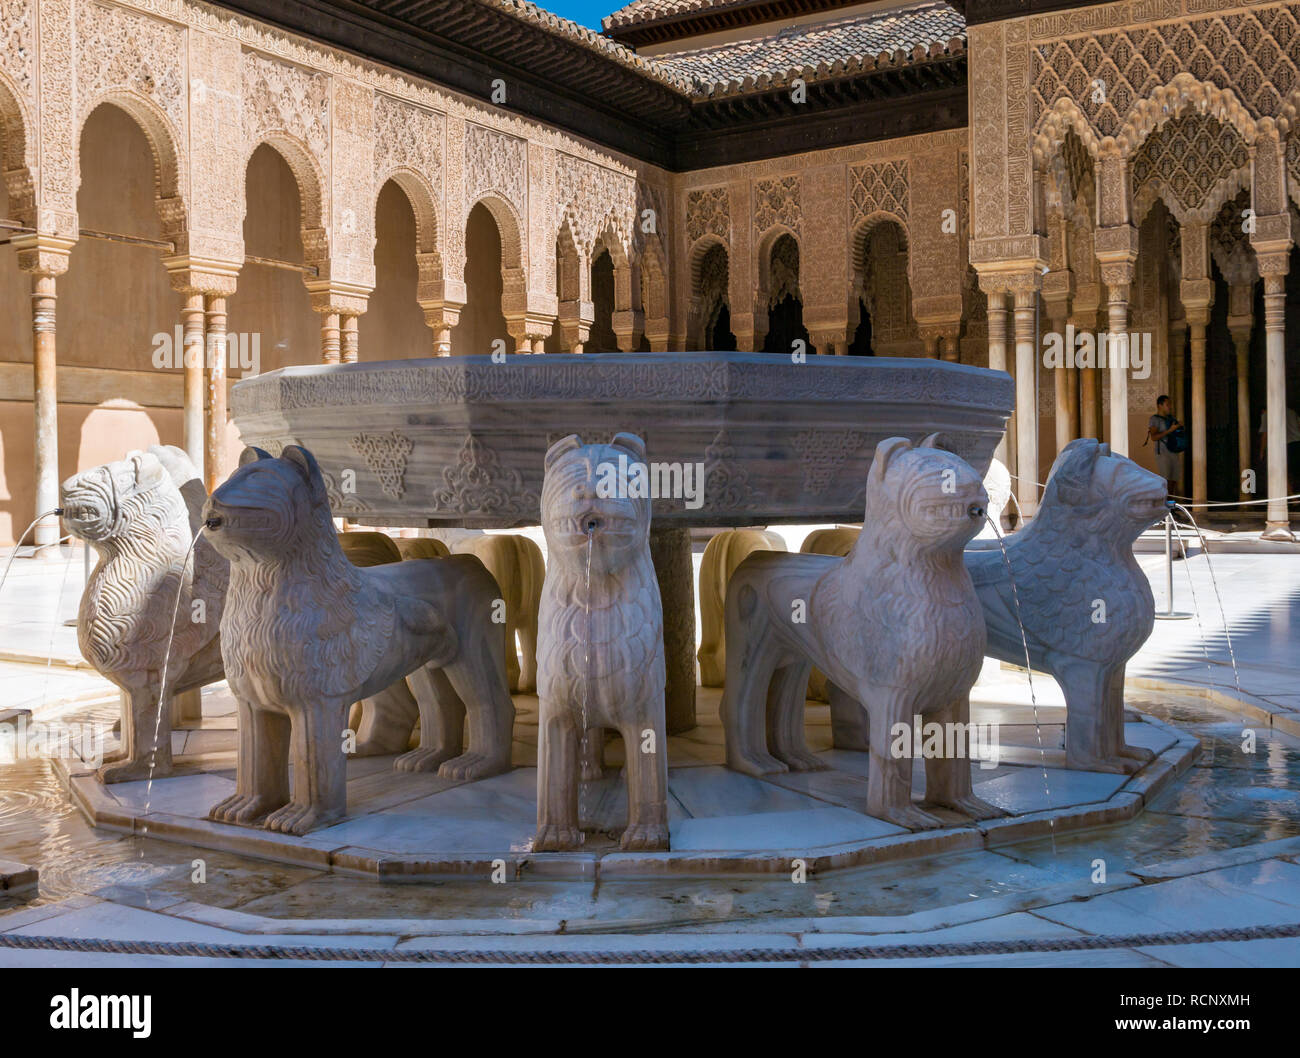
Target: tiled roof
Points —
{"points": [[590, 39], [845, 46], [652, 10]]}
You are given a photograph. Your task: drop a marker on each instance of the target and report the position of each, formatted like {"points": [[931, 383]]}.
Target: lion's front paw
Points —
{"points": [[298, 819], [421, 760], [908, 816], [556, 837], [973, 806], [242, 809], [1138, 753], [756, 764], [133, 771], [1111, 765], [645, 837], [802, 760], [469, 766]]}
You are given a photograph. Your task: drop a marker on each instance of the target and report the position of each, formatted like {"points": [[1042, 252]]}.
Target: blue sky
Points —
{"points": [[587, 12]]}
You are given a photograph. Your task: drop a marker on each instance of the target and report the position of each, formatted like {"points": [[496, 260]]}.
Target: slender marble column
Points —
{"points": [[1117, 366], [997, 322], [192, 329], [46, 406], [1278, 521], [215, 310], [348, 348], [1026, 402], [329, 337], [1197, 319]]}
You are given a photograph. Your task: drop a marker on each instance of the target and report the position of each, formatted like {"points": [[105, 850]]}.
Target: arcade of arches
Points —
{"points": [[1122, 169]]}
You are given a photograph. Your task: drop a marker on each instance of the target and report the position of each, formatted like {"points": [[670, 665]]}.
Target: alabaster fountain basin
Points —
{"points": [[460, 441]]}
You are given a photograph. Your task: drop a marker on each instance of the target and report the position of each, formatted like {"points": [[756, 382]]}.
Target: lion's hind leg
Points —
{"points": [[785, 718], [146, 738], [262, 767], [320, 786], [947, 777], [442, 721]]}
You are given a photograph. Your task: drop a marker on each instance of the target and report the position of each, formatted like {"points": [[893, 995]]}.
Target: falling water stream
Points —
{"points": [[1223, 614], [14, 553], [162, 702], [1029, 671]]}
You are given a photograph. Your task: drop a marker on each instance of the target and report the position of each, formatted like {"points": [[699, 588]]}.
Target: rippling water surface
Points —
{"points": [[1228, 799]]}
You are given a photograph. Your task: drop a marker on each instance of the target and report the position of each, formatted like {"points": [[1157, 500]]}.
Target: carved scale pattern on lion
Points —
{"points": [[140, 515], [306, 633], [1078, 550]]}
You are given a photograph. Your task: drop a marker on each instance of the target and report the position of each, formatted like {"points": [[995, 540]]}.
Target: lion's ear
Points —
{"points": [[885, 453], [933, 440], [563, 445], [252, 454], [305, 463], [629, 442]]}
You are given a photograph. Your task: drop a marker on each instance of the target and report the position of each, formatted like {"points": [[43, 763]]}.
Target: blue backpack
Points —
{"points": [[1177, 441]]}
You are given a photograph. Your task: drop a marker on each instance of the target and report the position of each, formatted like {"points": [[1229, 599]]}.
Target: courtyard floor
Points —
{"points": [[1213, 847]]}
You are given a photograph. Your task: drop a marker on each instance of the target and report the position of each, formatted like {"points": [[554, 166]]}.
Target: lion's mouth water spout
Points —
{"points": [[213, 522], [19, 539]]}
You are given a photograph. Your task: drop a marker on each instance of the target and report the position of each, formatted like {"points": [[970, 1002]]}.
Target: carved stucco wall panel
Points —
{"points": [[827, 199], [140, 66], [216, 84]]}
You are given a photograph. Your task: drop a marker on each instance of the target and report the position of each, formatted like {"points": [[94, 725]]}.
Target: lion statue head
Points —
{"points": [[590, 499], [143, 493], [922, 499], [271, 508], [1090, 485]]}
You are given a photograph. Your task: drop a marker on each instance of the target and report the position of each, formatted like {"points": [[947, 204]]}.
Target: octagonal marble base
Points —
{"points": [[411, 827]]}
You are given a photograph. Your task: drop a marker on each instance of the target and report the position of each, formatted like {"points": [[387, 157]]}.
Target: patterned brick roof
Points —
{"points": [[859, 44], [845, 46], [652, 10]]}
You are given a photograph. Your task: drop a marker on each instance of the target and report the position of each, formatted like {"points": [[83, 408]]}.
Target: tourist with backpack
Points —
{"points": [[1170, 440]]}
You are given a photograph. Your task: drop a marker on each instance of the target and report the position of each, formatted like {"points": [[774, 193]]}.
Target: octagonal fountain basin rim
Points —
{"points": [[460, 441]]}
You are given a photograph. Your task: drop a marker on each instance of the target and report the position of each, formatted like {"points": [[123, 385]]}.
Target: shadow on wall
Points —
{"points": [[88, 436]]}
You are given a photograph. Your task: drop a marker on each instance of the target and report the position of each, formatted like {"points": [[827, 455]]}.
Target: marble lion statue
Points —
{"points": [[1085, 603], [722, 554], [140, 515], [600, 650], [384, 722], [896, 625], [837, 541], [516, 564], [305, 633]]}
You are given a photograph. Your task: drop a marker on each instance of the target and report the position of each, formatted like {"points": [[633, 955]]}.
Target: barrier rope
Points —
{"points": [[1196, 506], [839, 953]]}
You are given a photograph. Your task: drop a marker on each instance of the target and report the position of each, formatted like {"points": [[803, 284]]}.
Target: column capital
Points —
{"points": [[191, 275], [1197, 295], [43, 254], [342, 298], [1011, 277]]}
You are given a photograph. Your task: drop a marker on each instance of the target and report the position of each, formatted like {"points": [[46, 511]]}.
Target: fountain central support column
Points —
{"points": [[670, 551]]}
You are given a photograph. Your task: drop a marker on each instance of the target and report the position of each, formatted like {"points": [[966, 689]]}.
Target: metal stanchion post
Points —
{"points": [[1170, 613]]}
